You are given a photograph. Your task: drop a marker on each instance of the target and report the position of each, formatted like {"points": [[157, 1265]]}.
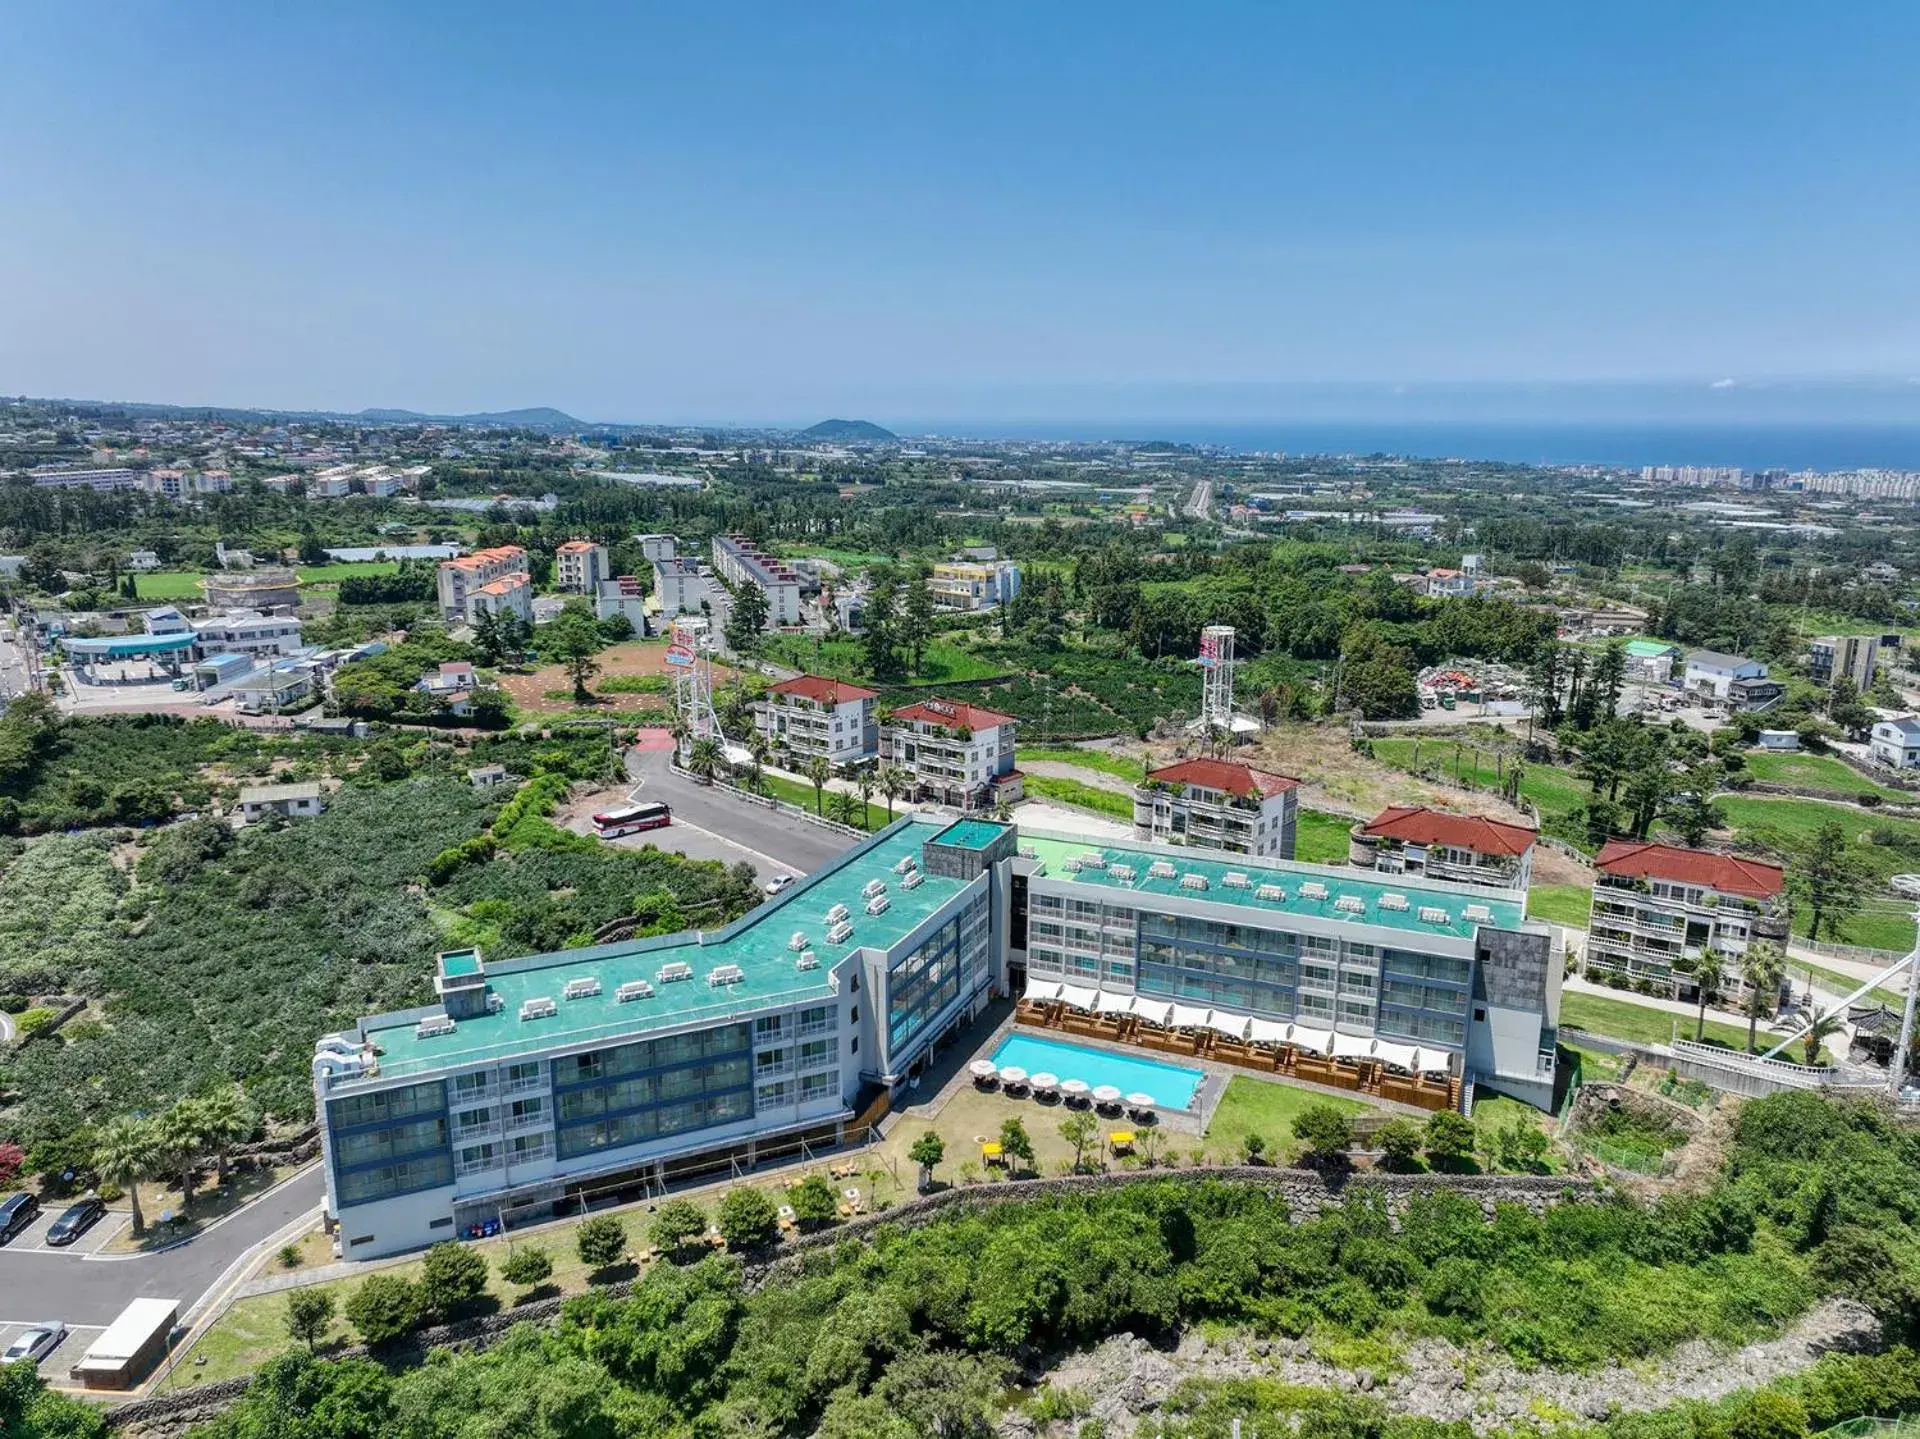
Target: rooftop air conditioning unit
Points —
{"points": [[1270, 891], [1070, 865], [495, 1003], [679, 969], [580, 989], [840, 933], [1029, 852], [725, 974], [797, 940], [1120, 872], [1233, 879], [432, 1025], [1093, 859], [1433, 914], [633, 989], [539, 1008], [808, 960], [879, 904], [904, 864], [1160, 869], [836, 914], [873, 887], [1350, 904], [1390, 900], [1313, 889], [1478, 912], [1193, 881], [913, 881]]}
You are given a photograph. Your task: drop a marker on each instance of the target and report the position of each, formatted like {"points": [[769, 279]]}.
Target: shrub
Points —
{"points": [[384, 1308], [13, 1003], [451, 1275], [678, 1222], [602, 1241], [1449, 1136], [309, 1315], [1252, 1148], [526, 1267], [1327, 1131], [33, 1021], [1767, 1414], [814, 1201], [747, 1219], [288, 1256], [1399, 1141]]}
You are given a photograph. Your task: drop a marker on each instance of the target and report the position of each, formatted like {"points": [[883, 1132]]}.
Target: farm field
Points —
{"points": [[944, 662]]}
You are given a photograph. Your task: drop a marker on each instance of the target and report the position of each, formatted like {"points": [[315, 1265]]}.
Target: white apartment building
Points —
{"points": [[810, 715], [246, 632], [1217, 804], [957, 754], [1657, 908], [739, 562], [458, 578], [678, 585], [622, 597], [973, 584], [579, 566], [1714, 675], [1896, 742], [88, 479], [654, 548], [510, 594]]}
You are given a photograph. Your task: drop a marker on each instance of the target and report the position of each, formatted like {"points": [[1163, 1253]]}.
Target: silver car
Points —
{"points": [[36, 1344]]}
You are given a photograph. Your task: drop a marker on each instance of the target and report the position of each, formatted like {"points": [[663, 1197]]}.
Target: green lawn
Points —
{"points": [[1321, 838], [1557, 793], [1788, 823], [797, 792], [943, 663], [1084, 796], [1265, 1107], [1105, 761], [1815, 771], [181, 585], [1568, 904], [333, 574], [1642, 1023]]}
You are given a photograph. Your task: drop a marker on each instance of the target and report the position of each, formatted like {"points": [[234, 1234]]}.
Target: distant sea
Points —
{"points": [[1752, 447]]}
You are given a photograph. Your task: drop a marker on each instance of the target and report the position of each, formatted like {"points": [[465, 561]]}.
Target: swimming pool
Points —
{"points": [[1171, 1086]]}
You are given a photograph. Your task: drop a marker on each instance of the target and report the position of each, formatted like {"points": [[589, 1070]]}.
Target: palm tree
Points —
{"points": [[127, 1153], [1002, 811], [1762, 968], [843, 806], [1704, 970], [819, 771], [229, 1119], [704, 758], [893, 784], [183, 1135], [863, 781], [681, 728]]}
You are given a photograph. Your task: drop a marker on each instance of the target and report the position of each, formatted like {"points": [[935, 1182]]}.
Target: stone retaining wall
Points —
{"points": [[1306, 1192]]}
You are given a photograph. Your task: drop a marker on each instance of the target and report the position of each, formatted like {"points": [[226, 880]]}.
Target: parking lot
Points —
{"points": [[33, 1239], [54, 1367]]}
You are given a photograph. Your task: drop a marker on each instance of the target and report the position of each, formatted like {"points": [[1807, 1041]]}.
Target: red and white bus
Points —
{"points": [[631, 819]]}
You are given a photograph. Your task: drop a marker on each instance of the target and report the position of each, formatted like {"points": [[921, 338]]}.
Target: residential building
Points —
{"points": [[143, 560], [1755, 695], [1459, 848], [1217, 804], [247, 632], [654, 548], [809, 715], [678, 585], [295, 801], [623, 597], [973, 584], [487, 776], [738, 561], [957, 754], [1651, 660], [1712, 675], [1449, 584], [1895, 742], [165, 620], [283, 685], [458, 578], [510, 594], [1881, 572], [86, 479], [385, 486], [533, 1083], [1838, 657], [327, 486], [1659, 909], [579, 566]]}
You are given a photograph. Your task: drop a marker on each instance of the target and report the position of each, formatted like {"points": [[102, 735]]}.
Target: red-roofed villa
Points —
{"points": [[959, 754], [1462, 848], [1218, 804], [811, 715], [1659, 909]]}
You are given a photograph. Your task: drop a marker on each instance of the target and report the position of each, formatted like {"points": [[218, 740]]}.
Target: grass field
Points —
{"points": [[796, 792], [944, 662], [1789, 823], [1494, 1112], [1642, 1023], [1084, 796], [1557, 793], [1321, 838], [1568, 904], [1105, 761], [180, 585], [1265, 1108], [1842, 984], [1816, 771]]}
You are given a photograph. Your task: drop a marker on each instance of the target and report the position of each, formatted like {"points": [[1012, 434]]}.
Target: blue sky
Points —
{"points": [[776, 212]]}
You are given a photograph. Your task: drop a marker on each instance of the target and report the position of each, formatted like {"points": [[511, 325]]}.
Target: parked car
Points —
{"points": [[36, 1344], [76, 1219], [16, 1213], [780, 884]]}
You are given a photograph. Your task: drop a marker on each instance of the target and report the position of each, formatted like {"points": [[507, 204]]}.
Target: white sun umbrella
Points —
{"points": [[1137, 1100], [1013, 1074], [1043, 1080], [1106, 1094], [983, 1069], [1073, 1088], [1111, 1003]]}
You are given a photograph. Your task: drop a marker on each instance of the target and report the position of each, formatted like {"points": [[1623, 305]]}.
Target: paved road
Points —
{"points": [[55, 1284], [783, 841]]}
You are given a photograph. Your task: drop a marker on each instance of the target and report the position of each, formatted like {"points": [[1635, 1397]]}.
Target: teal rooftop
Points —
{"points": [[970, 834], [1279, 887], [759, 944]]}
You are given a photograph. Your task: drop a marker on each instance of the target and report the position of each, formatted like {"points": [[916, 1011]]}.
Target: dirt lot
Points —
{"points": [[635, 657]]}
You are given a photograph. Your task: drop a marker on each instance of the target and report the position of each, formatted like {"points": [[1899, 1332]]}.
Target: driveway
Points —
{"points": [[767, 839], [37, 1283]]}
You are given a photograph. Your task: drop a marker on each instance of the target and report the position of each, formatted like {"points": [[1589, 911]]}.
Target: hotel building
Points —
{"points": [[459, 578]]}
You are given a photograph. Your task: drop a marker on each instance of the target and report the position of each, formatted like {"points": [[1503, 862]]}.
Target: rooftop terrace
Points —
{"points": [[1275, 887], [758, 944]]}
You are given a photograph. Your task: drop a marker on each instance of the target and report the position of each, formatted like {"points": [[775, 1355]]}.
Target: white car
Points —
{"points": [[780, 884], [36, 1344]]}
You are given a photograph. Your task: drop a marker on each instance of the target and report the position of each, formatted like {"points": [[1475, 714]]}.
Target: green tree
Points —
{"points": [[813, 1200], [383, 1308], [677, 1223], [927, 1151], [818, 772], [1767, 1414], [572, 639], [916, 617], [527, 1266], [1325, 1129], [183, 1133], [601, 1240], [488, 639], [747, 620], [309, 1315], [747, 1219], [881, 636], [1830, 878], [1079, 1129], [128, 1154], [1399, 1141], [1015, 1143], [893, 782], [1449, 1137], [452, 1275], [1689, 807], [1704, 970], [1762, 969], [704, 757], [229, 1119]]}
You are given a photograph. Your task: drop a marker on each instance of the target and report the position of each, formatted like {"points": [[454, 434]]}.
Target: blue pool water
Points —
{"points": [[1171, 1086]]}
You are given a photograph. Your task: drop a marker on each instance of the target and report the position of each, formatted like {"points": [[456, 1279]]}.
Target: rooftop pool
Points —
{"points": [[1171, 1086]]}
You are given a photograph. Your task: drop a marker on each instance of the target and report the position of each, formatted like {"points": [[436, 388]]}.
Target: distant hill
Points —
{"points": [[541, 418], [847, 430]]}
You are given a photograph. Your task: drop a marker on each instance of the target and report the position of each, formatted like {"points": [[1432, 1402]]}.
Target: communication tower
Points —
{"points": [[1216, 686], [690, 657]]}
